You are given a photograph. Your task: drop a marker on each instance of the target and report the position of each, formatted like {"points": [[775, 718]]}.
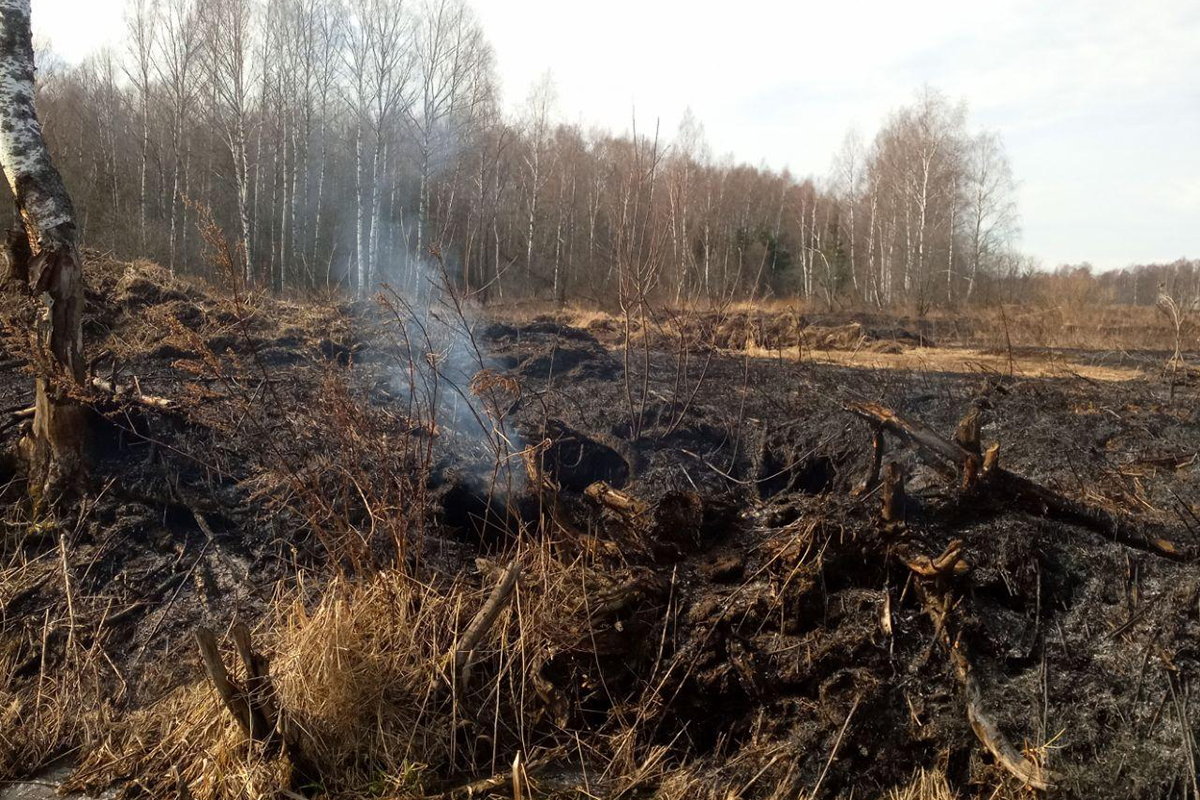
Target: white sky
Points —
{"points": [[1098, 101]]}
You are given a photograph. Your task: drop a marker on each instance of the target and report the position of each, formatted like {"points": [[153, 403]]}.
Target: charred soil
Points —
{"points": [[650, 567]]}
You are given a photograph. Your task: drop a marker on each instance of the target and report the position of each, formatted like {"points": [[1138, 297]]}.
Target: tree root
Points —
{"points": [[937, 607]]}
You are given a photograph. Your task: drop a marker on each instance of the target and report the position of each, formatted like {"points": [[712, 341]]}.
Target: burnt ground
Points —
{"points": [[757, 618]]}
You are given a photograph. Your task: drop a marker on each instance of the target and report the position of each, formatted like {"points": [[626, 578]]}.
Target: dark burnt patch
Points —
{"points": [[576, 460]]}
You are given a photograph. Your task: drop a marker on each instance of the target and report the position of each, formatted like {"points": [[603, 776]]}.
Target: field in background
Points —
{"points": [[1086, 327], [1098, 342]]}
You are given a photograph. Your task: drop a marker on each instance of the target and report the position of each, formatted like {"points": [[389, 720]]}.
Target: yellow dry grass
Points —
{"points": [[1043, 323], [957, 360], [925, 785]]}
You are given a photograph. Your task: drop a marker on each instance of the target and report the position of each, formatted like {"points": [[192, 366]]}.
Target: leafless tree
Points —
{"points": [[175, 66], [990, 205], [539, 111], [140, 22], [337, 139], [228, 40], [379, 61]]}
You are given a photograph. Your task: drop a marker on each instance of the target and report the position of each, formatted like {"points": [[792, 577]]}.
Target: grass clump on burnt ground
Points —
{"points": [[659, 568]]}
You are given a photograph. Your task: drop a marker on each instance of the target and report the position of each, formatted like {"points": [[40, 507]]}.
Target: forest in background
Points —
{"points": [[337, 141]]}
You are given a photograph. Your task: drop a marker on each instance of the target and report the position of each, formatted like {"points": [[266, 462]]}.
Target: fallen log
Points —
{"points": [[1010, 488], [1036, 499]]}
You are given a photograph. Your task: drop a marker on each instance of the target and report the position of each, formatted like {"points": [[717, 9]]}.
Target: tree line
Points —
{"points": [[339, 142], [1137, 285]]}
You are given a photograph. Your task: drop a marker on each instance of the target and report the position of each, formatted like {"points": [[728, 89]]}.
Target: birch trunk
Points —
{"points": [[57, 443], [360, 231]]}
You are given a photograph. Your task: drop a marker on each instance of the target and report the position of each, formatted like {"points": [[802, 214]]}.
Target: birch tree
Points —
{"points": [[379, 56], [56, 445], [228, 41], [139, 25], [990, 206], [539, 109], [847, 177], [177, 52]]}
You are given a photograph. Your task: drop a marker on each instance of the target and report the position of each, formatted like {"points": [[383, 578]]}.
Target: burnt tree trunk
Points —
{"points": [[55, 447]]}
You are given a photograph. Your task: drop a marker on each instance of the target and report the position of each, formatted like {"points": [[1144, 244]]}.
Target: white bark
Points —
{"points": [[56, 447]]}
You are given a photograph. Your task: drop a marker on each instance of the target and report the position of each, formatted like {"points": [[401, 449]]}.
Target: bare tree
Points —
{"points": [[990, 206], [140, 22], [228, 40], [379, 59], [539, 111], [175, 67], [56, 445], [450, 53], [848, 176], [325, 16], [344, 136]]}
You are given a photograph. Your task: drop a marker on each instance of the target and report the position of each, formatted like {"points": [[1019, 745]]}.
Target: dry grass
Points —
{"points": [[365, 676], [1085, 327], [1047, 323], [957, 360], [925, 785], [56, 681]]}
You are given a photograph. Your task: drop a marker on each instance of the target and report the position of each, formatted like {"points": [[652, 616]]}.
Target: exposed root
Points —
{"points": [[937, 607]]}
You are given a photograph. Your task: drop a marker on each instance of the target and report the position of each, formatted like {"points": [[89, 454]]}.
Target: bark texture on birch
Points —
{"points": [[56, 445]]}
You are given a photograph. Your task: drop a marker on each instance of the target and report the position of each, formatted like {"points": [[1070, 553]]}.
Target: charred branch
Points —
{"points": [[485, 618], [132, 393], [627, 506], [1009, 488], [1034, 776], [949, 562], [254, 704]]}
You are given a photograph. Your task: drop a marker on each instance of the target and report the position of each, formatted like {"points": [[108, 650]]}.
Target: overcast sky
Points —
{"points": [[1098, 101]]}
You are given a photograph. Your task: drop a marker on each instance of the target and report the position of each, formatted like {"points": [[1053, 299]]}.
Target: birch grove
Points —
{"points": [[337, 142]]}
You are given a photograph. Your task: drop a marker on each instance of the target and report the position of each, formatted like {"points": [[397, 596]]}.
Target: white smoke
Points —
{"points": [[447, 374]]}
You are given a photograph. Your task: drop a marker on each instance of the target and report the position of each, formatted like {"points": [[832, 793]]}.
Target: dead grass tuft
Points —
{"points": [[364, 674], [925, 785]]}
